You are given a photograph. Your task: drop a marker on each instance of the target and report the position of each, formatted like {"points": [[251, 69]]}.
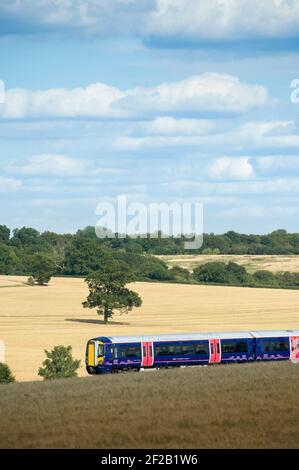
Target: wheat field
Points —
{"points": [[273, 263], [36, 318]]}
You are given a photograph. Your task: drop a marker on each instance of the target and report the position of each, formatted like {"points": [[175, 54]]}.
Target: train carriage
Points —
{"points": [[107, 354]]}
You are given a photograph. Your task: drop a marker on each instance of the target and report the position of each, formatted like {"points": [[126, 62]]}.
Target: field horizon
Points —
{"points": [[34, 318]]}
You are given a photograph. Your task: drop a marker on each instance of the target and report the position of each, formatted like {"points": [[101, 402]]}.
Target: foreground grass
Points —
{"points": [[237, 406]]}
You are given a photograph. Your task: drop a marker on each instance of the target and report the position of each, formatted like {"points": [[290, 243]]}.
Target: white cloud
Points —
{"points": [[224, 19], [101, 17], [95, 100], [259, 134], [209, 92], [231, 168], [49, 165], [165, 125], [167, 19], [9, 184]]}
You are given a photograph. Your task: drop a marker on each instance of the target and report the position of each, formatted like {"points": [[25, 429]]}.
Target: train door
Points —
{"points": [[215, 351], [294, 348], [91, 354], [147, 354]]}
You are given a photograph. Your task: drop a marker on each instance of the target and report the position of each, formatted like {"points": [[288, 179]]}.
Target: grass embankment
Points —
{"points": [[236, 406]]}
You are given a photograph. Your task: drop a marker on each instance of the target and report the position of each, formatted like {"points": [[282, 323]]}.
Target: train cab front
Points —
{"points": [[95, 359]]}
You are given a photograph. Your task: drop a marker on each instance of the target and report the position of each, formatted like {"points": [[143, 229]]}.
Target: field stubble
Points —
{"points": [[36, 318]]}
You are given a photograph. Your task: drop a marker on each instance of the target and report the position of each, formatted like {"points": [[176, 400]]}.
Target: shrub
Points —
{"points": [[42, 268], [59, 364], [264, 277], [30, 281], [236, 274], [214, 272], [180, 274], [6, 375]]}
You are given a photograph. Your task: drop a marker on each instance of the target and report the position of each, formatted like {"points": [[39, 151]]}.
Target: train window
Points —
{"points": [[234, 347], [162, 351], [187, 349], [276, 346], [201, 348], [151, 351], [144, 350], [133, 351], [100, 350]]}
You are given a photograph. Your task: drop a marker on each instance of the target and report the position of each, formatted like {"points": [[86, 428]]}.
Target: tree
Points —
{"points": [[41, 268], [8, 259], [84, 255], [4, 234], [6, 375], [236, 274], [214, 272], [59, 364], [107, 291], [27, 238], [264, 277]]}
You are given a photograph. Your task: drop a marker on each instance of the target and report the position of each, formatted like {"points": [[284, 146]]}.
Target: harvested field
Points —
{"points": [[36, 318], [274, 263]]}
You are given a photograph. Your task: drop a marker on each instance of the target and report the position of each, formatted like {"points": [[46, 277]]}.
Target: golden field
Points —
{"points": [[274, 263], [36, 318]]}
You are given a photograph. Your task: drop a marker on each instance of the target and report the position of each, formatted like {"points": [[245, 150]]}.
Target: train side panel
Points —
{"points": [[237, 350], [273, 349], [178, 353]]}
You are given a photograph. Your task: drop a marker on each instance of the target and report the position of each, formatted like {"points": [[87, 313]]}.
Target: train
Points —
{"points": [[109, 354]]}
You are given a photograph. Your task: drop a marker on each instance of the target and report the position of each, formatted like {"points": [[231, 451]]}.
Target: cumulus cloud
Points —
{"points": [[167, 19], [49, 165], [223, 19], [100, 17], [209, 92], [96, 100], [165, 125], [231, 168]]}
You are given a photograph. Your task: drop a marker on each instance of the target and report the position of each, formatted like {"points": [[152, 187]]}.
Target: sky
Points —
{"points": [[160, 100]]}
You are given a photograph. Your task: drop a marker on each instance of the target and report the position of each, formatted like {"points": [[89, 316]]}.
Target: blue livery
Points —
{"points": [[108, 354]]}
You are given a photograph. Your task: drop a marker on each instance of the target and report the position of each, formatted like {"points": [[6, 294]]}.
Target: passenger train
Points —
{"points": [[108, 354]]}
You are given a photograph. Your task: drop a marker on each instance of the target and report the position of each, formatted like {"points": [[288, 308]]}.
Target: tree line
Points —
{"points": [[26, 251]]}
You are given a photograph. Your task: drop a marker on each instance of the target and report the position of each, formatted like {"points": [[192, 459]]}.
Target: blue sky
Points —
{"points": [[166, 100]]}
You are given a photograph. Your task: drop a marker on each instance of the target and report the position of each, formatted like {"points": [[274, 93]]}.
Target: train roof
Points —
{"points": [[198, 336]]}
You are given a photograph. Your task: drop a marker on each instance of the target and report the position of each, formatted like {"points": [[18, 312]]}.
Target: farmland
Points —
{"points": [[36, 318], [141, 410], [252, 263]]}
